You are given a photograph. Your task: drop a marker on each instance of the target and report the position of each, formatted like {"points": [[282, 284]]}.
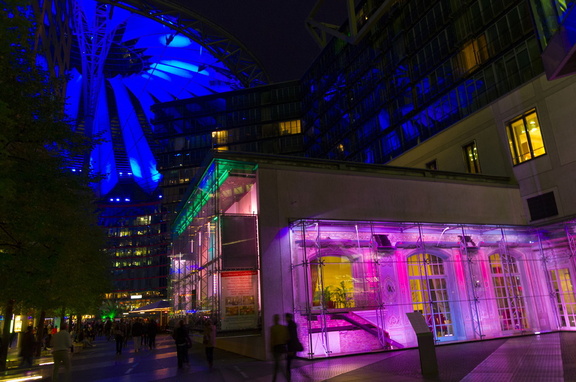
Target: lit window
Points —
{"points": [[508, 292], [525, 137], [471, 158], [429, 293], [564, 296], [332, 284], [290, 127], [220, 137], [472, 54]]}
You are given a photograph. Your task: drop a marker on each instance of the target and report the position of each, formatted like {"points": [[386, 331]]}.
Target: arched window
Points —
{"points": [[508, 292], [429, 293], [332, 282], [565, 298]]}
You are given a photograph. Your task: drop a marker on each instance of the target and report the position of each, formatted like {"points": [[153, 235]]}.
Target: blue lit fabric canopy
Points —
{"points": [[120, 60]]}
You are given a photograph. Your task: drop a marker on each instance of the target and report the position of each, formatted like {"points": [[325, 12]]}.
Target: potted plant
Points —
{"points": [[341, 296], [324, 297]]}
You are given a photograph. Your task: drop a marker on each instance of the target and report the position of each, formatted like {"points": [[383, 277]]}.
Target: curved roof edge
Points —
{"points": [[224, 46]]}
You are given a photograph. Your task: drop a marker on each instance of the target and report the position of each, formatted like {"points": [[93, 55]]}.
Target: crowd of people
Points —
{"points": [[142, 332], [284, 342], [61, 341]]}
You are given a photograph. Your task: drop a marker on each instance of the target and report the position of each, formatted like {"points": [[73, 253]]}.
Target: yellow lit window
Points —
{"points": [[332, 282], [473, 53], [525, 137], [471, 158], [290, 127], [220, 137]]}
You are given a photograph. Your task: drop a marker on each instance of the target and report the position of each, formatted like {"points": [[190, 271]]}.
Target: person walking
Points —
{"points": [[144, 338], [108, 329], [209, 341], [119, 333], [278, 340], [152, 330], [293, 345], [137, 330], [183, 343], [61, 345], [27, 347]]}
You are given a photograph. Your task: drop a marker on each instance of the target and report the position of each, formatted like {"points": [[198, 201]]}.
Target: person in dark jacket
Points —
{"points": [[119, 330], [183, 343], [137, 330], [209, 341], [27, 347], [152, 329]]}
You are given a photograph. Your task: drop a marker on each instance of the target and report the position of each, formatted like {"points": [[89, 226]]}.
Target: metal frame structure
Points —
{"points": [[242, 64]]}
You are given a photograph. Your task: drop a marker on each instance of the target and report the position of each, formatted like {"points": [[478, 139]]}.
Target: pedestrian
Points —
{"points": [[209, 341], [127, 332], [119, 333], [61, 345], [108, 329], [27, 347], [278, 340], [137, 329], [144, 338], [183, 343], [152, 330], [293, 345]]}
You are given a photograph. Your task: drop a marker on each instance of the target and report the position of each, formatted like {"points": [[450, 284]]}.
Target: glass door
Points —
{"points": [[565, 299], [429, 294]]}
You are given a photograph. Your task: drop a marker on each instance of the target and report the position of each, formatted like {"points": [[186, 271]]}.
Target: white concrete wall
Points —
{"points": [[555, 102], [287, 193]]}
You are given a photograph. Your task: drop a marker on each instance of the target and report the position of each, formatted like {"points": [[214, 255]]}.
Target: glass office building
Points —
{"points": [[423, 66], [264, 119]]}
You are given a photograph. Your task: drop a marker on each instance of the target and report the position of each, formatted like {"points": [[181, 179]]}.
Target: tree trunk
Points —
{"points": [[8, 312], [41, 333], [63, 318]]}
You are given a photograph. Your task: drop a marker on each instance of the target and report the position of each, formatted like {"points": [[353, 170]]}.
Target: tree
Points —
{"points": [[51, 249]]}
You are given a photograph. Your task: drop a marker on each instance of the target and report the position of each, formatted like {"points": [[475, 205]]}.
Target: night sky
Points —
{"points": [[273, 30]]}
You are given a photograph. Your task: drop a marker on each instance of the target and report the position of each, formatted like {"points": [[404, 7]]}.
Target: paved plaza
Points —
{"points": [[546, 357]]}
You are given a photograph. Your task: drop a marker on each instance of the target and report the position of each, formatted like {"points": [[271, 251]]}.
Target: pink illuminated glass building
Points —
{"points": [[351, 248]]}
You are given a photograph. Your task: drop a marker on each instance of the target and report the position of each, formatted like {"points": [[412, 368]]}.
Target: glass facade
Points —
{"points": [[264, 120], [215, 265], [136, 243], [549, 16], [355, 282], [424, 66]]}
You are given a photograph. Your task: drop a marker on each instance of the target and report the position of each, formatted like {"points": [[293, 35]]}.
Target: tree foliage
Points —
{"points": [[51, 248]]}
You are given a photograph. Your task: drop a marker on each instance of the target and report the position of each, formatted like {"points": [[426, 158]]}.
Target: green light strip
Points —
{"points": [[207, 186]]}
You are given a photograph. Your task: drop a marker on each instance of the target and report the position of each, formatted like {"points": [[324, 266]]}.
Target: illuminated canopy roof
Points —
{"points": [[123, 56]]}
